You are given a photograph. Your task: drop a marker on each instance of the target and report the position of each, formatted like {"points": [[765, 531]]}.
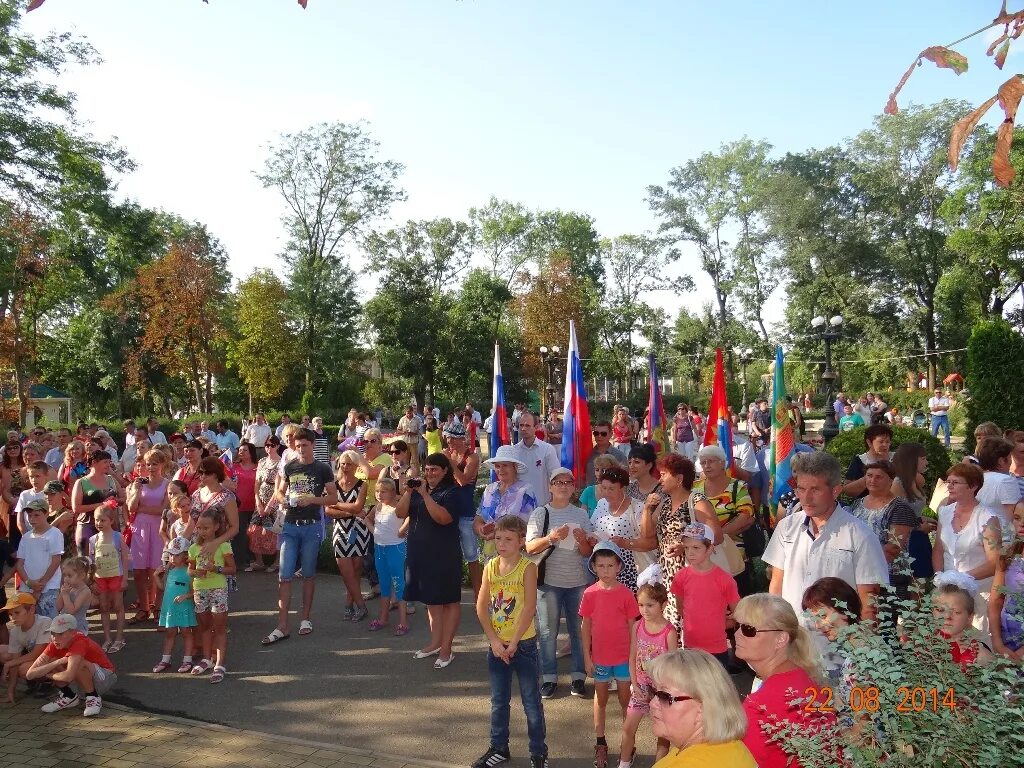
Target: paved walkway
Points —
{"points": [[124, 738]]}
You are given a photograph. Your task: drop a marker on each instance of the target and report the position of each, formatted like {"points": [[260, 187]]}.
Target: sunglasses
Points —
{"points": [[563, 482], [396, 453], [371, 441], [749, 630], [600, 433], [667, 699]]}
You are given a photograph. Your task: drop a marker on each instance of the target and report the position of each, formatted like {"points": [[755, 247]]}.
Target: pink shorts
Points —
{"points": [[109, 583], [147, 546]]}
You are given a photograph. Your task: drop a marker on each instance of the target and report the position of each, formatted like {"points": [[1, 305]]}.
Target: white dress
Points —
{"points": [[965, 551]]}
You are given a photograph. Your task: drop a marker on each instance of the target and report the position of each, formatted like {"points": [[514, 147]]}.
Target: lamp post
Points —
{"points": [[829, 331], [746, 356], [550, 359]]}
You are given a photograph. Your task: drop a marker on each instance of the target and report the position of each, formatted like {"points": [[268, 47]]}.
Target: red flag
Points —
{"points": [[718, 430], [34, 4]]}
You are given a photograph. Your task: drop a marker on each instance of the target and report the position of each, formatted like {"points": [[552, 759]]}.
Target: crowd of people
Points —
{"points": [[649, 559]]}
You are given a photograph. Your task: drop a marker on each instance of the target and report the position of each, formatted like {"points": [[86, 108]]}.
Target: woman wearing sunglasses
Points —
{"points": [[696, 708], [782, 654]]}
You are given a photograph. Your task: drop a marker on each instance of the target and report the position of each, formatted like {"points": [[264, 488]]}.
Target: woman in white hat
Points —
{"points": [[508, 495]]}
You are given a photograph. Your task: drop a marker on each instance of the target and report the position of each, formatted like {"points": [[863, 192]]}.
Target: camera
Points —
{"points": [[413, 483], [143, 480]]}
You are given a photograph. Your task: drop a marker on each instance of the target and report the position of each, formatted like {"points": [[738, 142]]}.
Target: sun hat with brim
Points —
{"points": [[506, 455], [454, 430], [604, 546], [20, 599], [64, 622]]}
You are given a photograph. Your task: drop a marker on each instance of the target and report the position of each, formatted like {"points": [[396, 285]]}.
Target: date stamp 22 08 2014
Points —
{"points": [[869, 699]]}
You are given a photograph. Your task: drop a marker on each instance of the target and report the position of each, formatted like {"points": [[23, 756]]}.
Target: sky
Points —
{"points": [[570, 104]]}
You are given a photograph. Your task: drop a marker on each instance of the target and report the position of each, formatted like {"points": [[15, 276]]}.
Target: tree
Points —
{"points": [[182, 296], [636, 266], [265, 351], [24, 259], [333, 186], [717, 204], [995, 356]]}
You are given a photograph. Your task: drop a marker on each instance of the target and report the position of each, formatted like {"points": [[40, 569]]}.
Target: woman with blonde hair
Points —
{"points": [[696, 708], [351, 538], [783, 655]]}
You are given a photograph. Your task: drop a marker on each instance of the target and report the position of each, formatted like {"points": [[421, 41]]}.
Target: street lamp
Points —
{"points": [[746, 356], [550, 359], [829, 331]]}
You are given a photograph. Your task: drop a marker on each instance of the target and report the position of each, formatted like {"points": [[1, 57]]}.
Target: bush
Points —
{"points": [[846, 445], [995, 358]]}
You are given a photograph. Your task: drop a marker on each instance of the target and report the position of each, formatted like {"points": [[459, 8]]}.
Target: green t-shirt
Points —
{"points": [[846, 423], [211, 580]]}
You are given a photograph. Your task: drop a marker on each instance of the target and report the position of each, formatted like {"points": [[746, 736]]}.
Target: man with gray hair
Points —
{"points": [[820, 538]]}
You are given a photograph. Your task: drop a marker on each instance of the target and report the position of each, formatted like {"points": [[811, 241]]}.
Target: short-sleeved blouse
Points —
{"points": [[964, 551], [434, 551], [217, 505]]}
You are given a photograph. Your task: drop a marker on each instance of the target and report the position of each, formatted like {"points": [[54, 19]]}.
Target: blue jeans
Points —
{"points": [[552, 604], [941, 421], [524, 667], [300, 546]]}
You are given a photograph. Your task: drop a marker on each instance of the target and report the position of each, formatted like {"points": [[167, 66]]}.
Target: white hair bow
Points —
{"points": [[650, 575], [959, 579]]}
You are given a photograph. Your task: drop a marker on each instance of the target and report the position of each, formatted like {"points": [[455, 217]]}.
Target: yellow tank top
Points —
{"points": [[508, 596]]}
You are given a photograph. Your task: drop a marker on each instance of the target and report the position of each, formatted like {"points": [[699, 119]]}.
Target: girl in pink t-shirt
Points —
{"points": [[653, 635], [705, 594]]}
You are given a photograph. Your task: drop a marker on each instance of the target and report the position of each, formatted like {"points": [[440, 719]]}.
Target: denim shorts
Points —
{"points": [[616, 671], [470, 541], [300, 547]]}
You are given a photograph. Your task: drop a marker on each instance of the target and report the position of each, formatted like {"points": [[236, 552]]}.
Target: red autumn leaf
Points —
{"points": [[34, 4], [964, 128], [1009, 95], [945, 58], [1002, 169], [1001, 54]]}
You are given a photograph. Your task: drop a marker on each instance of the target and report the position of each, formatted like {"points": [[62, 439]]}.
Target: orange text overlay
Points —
{"points": [[870, 699]]}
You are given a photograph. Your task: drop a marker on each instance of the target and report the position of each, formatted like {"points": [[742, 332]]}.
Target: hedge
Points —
{"points": [[995, 358], [846, 445]]}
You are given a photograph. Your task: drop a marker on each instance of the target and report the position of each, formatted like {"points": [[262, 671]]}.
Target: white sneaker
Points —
{"points": [[93, 705], [60, 703]]}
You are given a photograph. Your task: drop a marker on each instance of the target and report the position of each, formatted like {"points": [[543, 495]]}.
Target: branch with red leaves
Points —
{"points": [[1009, 94]]}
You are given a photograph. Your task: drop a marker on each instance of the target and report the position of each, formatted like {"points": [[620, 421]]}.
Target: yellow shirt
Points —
{"points": [[508, 597], [731, 754], [384, 460]]}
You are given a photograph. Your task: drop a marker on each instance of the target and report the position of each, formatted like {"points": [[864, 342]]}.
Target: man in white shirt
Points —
{"points": [[820, 538], [539, 457], [156, 437], [410, 428], [258, 432], [476, 414], [938, 406]]}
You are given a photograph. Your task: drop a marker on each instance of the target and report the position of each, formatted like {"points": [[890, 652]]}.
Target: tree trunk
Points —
{"points": [[929, 338]]}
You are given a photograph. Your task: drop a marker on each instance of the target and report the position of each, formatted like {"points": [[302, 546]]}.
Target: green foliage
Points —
{"points": [[995, 358], [846, 445]]}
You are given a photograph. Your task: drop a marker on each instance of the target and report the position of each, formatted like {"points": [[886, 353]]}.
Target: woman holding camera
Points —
{"points": [[147, 499], [434, 555]]}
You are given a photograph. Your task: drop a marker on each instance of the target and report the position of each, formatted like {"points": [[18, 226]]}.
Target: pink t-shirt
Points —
{"points": [[610, 612], [648, 648], [772, 702], [704, 598]]}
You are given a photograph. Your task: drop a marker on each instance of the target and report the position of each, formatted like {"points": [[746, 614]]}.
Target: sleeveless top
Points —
{"points": [[217, 505], [469, 489], [648, 648], [622, 433], [91, 494], [151, 499], [507, 599], [348, 497]]}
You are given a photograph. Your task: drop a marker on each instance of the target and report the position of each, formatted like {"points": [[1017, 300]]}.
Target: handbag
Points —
{"points": [[539, 558], [726, 555]]}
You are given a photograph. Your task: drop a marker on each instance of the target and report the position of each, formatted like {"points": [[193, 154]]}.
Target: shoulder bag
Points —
{"points": [[726, 555], [754, 539], [539, 558]]}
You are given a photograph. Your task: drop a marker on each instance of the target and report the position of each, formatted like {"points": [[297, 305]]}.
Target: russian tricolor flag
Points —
{"points": [[499, 434], [577, 440], [719, 427]]}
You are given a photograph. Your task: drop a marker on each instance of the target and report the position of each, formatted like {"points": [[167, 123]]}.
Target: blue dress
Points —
{"points": [[173, 614]]}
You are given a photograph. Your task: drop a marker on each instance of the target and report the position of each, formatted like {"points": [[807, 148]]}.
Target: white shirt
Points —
{"points": [[258, 434], [37, 550], [998, 489], [25, 498], [864, 410], [964, 551], [540, 460], [845, 547], [938, 402], [157, 438]]}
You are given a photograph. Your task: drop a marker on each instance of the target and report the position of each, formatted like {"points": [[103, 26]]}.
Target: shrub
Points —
{"points": [[846, 445], [995, 358]]}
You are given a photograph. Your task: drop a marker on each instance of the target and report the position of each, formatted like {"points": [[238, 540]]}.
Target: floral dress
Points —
{"points": [[669, 528], [262, 540]]}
